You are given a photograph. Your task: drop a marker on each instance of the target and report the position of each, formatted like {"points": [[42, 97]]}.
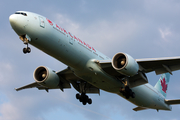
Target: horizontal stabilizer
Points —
{"points": [[172, 102], [139, 108]]}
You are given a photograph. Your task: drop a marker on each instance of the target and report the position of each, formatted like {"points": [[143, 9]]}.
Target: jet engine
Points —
{"points": [[125, 64], [46, 77]]}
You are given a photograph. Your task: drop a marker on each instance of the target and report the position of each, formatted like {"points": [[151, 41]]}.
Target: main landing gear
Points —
{"points": [[83, 98], [127, 92], [26, 39]]}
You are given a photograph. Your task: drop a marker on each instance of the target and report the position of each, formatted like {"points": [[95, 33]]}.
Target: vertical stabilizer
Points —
{"points": [[162, 84]]}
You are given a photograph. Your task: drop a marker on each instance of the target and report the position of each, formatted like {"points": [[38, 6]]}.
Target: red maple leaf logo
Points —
{"points": [[164, 85]]}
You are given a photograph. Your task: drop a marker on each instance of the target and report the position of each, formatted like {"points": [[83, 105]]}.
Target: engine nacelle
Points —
{"points": [[125, 64], [46, 77]]}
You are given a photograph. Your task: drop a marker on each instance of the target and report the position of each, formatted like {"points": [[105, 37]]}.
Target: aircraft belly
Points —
{"points": [[101, 82], [147, 98], [95, 76]]}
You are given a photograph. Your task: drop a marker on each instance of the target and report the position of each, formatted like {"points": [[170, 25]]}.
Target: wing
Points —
{"points": [[159, 65], [28, 86], [67, 77]]}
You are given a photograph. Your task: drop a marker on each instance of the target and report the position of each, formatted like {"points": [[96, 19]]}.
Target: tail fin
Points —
{"points": [[162, 84]]}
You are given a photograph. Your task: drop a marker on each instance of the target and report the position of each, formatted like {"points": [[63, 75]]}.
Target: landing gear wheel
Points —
{"points": [[127, 96], [89, 101], [28, 49], [24, 50], [78, 96], [84, 102], [133, 95], [83, 98], [127, 89]]}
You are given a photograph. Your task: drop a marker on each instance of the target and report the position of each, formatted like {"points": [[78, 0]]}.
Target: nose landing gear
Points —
{"points": [[26, 50], [26, 39]]}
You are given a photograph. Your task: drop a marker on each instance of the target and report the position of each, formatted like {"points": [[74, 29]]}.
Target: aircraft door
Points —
{"points": [[41, 22], [71, 40]]}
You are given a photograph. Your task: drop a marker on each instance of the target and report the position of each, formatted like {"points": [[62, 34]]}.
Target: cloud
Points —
{"points": [[165, 34], [65, 22], [102, 33], [9, 112]]}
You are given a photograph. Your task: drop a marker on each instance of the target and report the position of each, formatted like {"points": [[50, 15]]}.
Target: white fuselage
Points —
{"points": [[80, 57]]}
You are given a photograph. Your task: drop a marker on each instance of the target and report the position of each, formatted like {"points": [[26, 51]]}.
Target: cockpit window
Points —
{"points": [[21, 13]]}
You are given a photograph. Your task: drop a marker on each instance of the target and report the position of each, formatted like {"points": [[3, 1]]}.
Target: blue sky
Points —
{"points": [[141, 28]]}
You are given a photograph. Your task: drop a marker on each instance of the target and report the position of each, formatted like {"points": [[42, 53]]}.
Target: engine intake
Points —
{"points": [[125, 64], [46, 77]]}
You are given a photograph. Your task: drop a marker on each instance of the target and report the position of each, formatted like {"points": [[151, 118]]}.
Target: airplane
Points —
{"points": [[88, 70]]}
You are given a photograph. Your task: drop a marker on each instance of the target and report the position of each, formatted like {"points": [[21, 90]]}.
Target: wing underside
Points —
{"points": [[67, 77], [32, 85], [159, 65]]}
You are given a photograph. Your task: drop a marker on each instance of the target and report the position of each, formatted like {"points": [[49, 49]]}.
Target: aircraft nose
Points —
{"points": [[13, 19], [17, 23]]}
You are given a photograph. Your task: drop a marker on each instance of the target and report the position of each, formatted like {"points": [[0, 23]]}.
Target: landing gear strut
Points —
{"points": [[26, 39], [83, 98], [127, 92]]}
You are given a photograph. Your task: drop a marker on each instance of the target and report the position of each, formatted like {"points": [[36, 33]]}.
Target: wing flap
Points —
{"points": [[91, 89], [138, 79], [172, 102]]}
